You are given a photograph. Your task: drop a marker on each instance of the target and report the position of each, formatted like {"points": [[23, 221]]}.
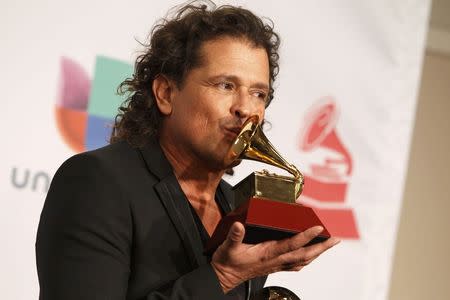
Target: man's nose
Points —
{"points": [[243, 106]]}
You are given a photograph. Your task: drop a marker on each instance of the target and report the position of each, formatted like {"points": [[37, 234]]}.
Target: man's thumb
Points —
{"points": [[235, 234]]}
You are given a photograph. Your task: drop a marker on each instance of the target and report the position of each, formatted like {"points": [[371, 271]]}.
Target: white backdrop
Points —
{"points": [[343, 113]]}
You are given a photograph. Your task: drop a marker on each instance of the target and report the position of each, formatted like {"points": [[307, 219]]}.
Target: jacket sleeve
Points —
{"points": [[84, 239]]}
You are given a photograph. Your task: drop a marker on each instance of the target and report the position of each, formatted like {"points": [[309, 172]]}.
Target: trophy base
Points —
{"points": [[266, 220]]}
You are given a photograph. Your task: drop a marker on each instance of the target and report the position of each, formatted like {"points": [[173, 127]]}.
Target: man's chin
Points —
{"points": [[228, 167]]}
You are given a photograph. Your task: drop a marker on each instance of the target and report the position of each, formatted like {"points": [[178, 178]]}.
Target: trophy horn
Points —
{"points": [[251, 143]]}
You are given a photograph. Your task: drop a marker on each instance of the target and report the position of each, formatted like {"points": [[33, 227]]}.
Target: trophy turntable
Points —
{"points": [[265, 203]]}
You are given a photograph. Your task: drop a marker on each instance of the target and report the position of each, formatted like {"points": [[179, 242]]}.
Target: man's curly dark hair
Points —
{"points": [[173, 50]]}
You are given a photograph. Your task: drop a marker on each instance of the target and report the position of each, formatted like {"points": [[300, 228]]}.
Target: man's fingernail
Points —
{"points": [[318, 229]]}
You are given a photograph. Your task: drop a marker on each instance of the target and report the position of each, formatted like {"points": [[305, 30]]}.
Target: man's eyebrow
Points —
{"points": [[259, 85]]}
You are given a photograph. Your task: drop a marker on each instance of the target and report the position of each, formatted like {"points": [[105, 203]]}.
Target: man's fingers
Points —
{"points": [[318, 248], [235, 235], [303, 256], [296, 241], [300, 264], [304, 237], [311, 233]]}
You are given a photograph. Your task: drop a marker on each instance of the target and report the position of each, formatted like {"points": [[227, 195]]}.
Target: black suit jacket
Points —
{"points": [[116, 225]]}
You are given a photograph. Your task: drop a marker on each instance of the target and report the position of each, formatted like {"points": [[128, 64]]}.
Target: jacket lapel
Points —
{"points": [[174, 201]]}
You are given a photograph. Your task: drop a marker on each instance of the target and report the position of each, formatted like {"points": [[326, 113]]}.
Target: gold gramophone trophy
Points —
{"points": [[265, 203]]}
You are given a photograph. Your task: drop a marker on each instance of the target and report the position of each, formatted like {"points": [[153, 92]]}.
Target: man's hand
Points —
{"points": [[235, 262]]}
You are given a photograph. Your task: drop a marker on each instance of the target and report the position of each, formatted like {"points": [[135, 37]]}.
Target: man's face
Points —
{"points": [[216, 98]]}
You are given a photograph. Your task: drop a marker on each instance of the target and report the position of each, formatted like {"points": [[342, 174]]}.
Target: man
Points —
{"points": [[129, 221]]}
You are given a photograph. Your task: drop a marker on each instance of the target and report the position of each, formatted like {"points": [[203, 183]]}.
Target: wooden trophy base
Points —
{"points": [[266, 220]]}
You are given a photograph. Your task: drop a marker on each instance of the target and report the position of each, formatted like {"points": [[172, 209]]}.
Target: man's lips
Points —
{"points": [[233, 131]]}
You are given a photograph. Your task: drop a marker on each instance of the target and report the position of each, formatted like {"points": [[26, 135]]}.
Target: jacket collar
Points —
{"points": [[155, 159]]}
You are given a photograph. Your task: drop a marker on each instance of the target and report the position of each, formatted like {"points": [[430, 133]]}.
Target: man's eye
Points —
{"points": [[260, 95], [226, 85]]}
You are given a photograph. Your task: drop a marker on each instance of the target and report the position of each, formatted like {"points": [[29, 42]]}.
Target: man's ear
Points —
{"points": [[163, 90]]}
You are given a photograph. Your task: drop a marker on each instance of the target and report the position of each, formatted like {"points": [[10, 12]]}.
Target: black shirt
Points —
{"points": [[238, 293]]}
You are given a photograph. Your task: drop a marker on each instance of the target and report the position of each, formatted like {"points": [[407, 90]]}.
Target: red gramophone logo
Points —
{"points": [[330, 169]]}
